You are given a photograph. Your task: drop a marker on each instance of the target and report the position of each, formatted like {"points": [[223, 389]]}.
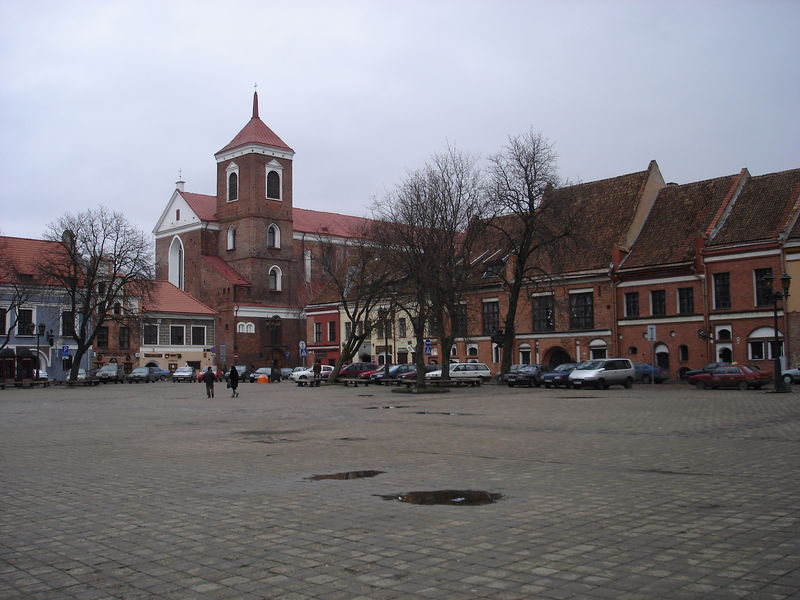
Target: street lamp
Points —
{"points": [[39, 333], [776, 296], [383, 314]]}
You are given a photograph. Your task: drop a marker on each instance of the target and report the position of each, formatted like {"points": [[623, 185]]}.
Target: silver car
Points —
{"points": [[602, 373]]}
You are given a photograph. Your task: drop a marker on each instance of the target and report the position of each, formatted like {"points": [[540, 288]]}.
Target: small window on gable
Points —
{"points": [[273, 236], [177, 214], [273, 185], [231, 238], [275, 279]]}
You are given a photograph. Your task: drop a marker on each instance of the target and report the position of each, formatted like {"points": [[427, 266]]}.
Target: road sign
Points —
{"points": [[64, 351], [302, 345], [428, 346], [303, 352]]}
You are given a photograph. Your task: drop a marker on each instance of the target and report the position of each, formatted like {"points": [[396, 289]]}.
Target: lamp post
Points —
{"points": [[776, 296], [383, 313], [39, 333]]}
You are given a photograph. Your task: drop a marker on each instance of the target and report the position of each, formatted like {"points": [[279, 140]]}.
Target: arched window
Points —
{"points": [[273, 185], [273, 236], [233, 181], [176, 263], [233, 187], [242, 327], [231, 238], [275, 276]]}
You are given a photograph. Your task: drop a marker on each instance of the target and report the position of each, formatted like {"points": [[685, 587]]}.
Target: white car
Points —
{"points": [[304, 376], [464, 371]]}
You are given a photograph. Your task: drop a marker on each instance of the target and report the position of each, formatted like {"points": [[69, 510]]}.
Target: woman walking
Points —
{"points": [[233, 380]]}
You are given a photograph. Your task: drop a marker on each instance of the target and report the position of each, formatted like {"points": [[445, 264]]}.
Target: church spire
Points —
{"points": [[255, 104]]}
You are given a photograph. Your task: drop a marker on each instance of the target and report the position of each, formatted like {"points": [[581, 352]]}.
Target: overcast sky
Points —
{"points": [[104, 102]]}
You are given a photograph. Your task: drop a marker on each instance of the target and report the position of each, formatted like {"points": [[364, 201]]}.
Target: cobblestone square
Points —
{"points": [[155, 491]]}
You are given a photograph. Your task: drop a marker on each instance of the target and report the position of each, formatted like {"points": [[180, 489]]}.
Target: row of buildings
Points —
{"points": [[665, 273]]}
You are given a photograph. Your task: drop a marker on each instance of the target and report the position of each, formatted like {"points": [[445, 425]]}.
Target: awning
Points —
{"points": [[25, 353], [7, 353]]}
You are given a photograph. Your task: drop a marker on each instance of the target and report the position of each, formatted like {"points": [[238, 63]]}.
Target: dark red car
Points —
{"points": [[736, 376]]}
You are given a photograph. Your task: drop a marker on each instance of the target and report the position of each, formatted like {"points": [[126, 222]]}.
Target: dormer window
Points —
{"points": [[233, 182], [274, 176]]}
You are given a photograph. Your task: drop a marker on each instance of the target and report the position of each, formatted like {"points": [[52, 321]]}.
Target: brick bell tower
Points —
{"points": [[254, 209]]}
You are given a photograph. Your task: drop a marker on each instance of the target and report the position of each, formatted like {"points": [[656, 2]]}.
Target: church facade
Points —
{"points": [[247, 251]]}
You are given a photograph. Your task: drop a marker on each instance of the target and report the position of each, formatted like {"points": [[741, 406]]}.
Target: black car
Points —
{"points": [[559, 376], [141, 375], [530, 375], [244, 373]]}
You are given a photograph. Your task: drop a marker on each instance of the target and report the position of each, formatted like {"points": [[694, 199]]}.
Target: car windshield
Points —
{"points": [[183, 370], [141, 370], [565, 367], [590, 364], [108, 368]]}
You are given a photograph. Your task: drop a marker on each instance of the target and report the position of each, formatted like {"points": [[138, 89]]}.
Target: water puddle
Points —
{"points": [[449, 497], [346, 475], [452, 414], [384, 407], [353, 439]]}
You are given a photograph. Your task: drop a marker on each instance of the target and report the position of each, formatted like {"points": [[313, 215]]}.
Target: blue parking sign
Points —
{"points": [[64, 351]]}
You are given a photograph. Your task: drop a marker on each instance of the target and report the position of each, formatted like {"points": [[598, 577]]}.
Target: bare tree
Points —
{"points": [[359, 280], [531, 230], [105, 262], [432, 221]]}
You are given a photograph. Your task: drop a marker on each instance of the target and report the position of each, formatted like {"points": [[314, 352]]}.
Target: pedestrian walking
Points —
{"points": [[233, 381], [208, 378], [317, 373]]}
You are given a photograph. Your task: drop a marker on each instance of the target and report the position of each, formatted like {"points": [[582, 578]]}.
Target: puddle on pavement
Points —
{"points": [[346, 475], [384, 407], [449, 497], [353, 439]]}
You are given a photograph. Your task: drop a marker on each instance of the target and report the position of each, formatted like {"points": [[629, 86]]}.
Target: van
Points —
{"points": [[602, 373]]}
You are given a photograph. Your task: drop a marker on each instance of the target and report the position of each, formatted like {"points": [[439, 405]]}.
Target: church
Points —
{"points": [[247, 251]]}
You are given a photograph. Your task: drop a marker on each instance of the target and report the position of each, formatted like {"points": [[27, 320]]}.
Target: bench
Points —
{"points": [[354, 381], [471, 381]]}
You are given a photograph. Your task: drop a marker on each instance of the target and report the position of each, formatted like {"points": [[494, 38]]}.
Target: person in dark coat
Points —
{"points": [[233, 381], [208, 378]]}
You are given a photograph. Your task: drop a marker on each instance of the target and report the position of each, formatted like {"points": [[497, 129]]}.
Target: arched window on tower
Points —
{"points": [[273, 236], [231, 238], [176, 263], [273, 185], [233, 187], [275, 277]]}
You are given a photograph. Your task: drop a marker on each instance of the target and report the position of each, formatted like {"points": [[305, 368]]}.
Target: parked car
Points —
{"points": [[243, 370], [707, 369], [111, 372], [530, 375], [354, 370], [218, 374], [412, 374], [161, 374], [186, 374], [254, 375], [141, 375], [792, 375], [89, 377], [559, 376], [303, 377], [646, 373], [602, 373], [464, 371], [285, 372], [42, 374], [395, 371], [503, 377], [738, 376]]}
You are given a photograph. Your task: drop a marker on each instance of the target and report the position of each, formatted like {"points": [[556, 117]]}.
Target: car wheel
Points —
{"points": [[601, 384], [700, 385], [628, 383], [646, 379], [743, 386], [510, 384], [788, 379]]}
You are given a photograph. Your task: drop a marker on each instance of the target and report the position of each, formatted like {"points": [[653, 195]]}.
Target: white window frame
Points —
{"points": [[231, 168], [231, 238], [176, 257], [191, 334], [158, 332], [34, 321], [170, 335], [274, 165], [278, 279], [277, 235]]}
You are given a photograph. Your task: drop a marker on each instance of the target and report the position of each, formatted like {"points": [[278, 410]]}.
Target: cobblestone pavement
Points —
{"points": [[155, 491]]}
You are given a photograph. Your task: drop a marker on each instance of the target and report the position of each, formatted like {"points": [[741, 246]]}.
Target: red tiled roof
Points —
{"points": [[21, 255], [679, 214], [227, 271], [165, 297], [256, 132], [205, 207], [763, 210], [316, 222]]}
